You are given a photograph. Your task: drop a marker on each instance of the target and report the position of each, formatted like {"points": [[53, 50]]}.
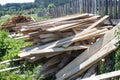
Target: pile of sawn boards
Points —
{"points": [[70, 45]]}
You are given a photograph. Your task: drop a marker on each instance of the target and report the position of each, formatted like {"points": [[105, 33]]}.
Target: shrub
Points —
{"points": [[9, 47]]}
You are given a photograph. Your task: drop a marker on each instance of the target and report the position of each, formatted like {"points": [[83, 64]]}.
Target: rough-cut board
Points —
{"points": [[89, 52], [104, 76], [55, 50]]}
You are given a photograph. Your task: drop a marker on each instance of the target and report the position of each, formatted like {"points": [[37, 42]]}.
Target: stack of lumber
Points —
{"points": [[55, 29], [65, 43], [16, 21], [71, 46]]}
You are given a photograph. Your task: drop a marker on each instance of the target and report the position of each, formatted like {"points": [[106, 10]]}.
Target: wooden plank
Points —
{"points": [[70, 7], [95, 8], [83, 5], [62, 9], [77, 6], [87, 6], [104, 76], [115, 9], [73, 7], [56, 50], [96, 23], [92, 5], [80, 68], [67, 7], [111, 10], [53, 50], [106, 7], [89, 52], [80, 6], [99, 7], [79, 27], [102, 7], [118, 9]]}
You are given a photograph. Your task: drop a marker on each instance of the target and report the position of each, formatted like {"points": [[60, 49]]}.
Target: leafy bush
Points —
{"points": [[9, 47]]}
